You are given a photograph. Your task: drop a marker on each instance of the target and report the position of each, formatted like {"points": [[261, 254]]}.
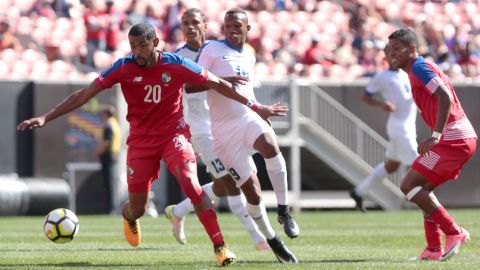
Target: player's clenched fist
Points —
{"points": [[32, 123]]}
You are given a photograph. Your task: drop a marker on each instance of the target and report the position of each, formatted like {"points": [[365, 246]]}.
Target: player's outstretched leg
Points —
{"points": [[266, 144], [277, 172], [177, 224]]}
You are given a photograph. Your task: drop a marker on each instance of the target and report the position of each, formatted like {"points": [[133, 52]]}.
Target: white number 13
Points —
{"points": [[154, 93]]}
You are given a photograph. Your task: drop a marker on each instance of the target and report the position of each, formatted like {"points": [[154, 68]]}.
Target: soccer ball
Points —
{"points": [[61, 225]]}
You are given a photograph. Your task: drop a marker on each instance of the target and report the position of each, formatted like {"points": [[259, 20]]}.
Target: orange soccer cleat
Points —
{"points": [[132, 232], [224, 256]]}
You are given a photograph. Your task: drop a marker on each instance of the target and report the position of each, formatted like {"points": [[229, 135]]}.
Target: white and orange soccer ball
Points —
{"points": [[61, 225]]}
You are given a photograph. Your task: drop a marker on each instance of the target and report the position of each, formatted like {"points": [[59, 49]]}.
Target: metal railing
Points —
{"points": [[318, 106]]}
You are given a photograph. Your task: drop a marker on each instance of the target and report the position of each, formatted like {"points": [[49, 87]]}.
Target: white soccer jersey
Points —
{"points": [[235, 62], [235, 127], [195, 107], [394, 86]]}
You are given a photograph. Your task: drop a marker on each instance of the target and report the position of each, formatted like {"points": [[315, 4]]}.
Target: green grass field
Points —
{"points": [[329, 240]]}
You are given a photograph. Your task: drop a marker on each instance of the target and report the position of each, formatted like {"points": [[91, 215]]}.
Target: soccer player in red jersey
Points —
{"points": [[443, 154], [152, 82]]}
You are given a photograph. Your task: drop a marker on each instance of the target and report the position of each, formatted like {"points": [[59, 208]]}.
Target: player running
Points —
{"points": [[238, 132], [394, 86], [152, 83], [451, 145], [197, 116]]}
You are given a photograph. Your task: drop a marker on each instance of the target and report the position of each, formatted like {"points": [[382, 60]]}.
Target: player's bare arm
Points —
{"points": [[73, 101], [227, 89], [195, 88], [384, 105], [444, 104]]}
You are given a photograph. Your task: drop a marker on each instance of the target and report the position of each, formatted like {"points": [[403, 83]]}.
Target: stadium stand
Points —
{"points": [[313, 39]]}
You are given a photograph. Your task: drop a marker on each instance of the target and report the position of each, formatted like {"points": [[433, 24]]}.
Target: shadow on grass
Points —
{"points": [[308, 261], [186, 265], [330, 261], [71, 265]]}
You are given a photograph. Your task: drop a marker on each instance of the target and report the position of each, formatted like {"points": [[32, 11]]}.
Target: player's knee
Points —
{"points": [[269, 150], [267, 146], [391, 166]]}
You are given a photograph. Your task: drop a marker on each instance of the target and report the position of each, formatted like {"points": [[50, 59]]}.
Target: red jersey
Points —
{"points": [[425, 77], [153, 95]]}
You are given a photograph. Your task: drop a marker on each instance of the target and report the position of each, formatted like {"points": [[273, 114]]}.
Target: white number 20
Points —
{"points": [[154, 93]]}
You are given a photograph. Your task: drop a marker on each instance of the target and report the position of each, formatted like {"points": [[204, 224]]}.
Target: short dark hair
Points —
{"points": [[194, 10], [233, 11], [406, 35], [143, 30]]}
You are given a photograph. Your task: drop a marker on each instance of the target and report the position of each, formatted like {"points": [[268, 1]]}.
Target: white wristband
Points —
{"points": [[436, 135], [250, 103]]}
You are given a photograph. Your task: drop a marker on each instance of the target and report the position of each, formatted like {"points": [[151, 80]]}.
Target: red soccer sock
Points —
{"points": [[446, 222], [433, 235], [209, 220]]}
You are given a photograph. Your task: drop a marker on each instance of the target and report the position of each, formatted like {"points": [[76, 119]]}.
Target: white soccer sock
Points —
{"points": [[376, 176], [277, 172], [183, 208], [186, 206], [237, 205], [259, 215]]}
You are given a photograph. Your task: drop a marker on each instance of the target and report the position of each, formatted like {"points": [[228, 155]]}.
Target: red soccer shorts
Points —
{"points": [[143, 164], [445, 161]]}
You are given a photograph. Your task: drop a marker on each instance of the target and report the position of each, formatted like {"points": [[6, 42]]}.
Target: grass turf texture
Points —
{"points": [[328, 240]]}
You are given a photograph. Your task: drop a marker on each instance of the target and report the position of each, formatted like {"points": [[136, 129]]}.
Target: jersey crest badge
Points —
{"points": [[130, 171], [166, 77]]}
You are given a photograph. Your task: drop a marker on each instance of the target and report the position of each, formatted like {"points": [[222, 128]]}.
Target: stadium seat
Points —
{"points": [[262, 70], [39, 70], [20, 70], [4, 70], [329, 19], [30, 56], [9, 56], [102, 59]]}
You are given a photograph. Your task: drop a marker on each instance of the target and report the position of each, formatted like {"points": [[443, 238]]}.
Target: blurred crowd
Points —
{"points": [[338, 39]]}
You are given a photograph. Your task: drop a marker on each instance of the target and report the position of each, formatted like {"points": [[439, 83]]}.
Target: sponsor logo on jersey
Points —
{"points": [[166, 77], [137, 79]]}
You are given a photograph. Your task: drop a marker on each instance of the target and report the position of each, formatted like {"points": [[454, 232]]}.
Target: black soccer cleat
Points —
{"points": [[281, 251], [358, 200], [289, 225]]}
